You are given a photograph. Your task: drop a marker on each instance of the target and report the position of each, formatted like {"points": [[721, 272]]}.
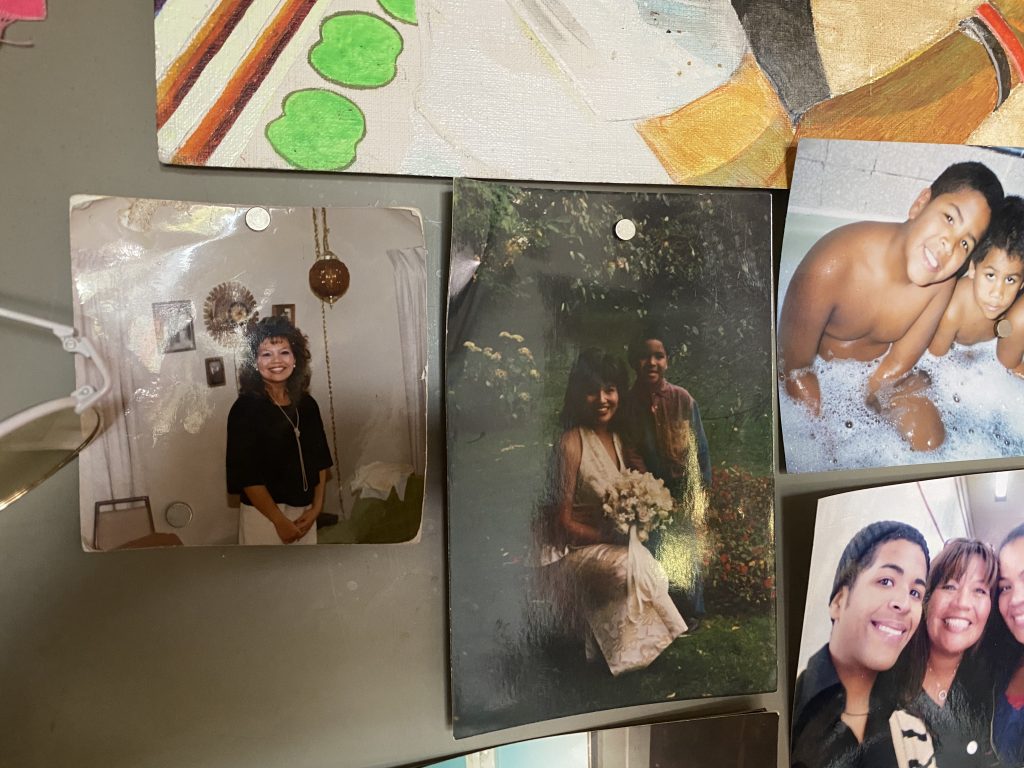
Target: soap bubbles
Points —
{"points": [[981, 404]]}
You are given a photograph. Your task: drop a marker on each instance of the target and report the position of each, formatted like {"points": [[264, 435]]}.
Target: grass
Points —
{"points": [[512, 662]]}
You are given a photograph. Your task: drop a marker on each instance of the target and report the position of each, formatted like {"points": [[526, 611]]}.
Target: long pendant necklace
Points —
{"points": [[298, 443]]}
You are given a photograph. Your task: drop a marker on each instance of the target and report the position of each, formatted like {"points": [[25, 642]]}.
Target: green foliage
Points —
{"points": [[741, 573], [317, 130], [505, 377], [403, 10], [358, 50]]}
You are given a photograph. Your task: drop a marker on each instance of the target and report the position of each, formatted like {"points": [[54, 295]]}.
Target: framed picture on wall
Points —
{"points": [[189, 434], [284, 310], [174, 325], [215, 372]]}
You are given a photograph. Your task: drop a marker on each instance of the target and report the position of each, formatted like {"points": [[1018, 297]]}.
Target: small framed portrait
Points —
{"points": [[174, 323], [284, 310], [215, 372]]}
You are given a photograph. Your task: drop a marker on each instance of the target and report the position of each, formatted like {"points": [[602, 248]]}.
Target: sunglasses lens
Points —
{"points": [[32, 453]]}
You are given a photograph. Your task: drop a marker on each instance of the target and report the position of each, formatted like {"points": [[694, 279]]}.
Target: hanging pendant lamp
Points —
{"points": [[328, 277]]}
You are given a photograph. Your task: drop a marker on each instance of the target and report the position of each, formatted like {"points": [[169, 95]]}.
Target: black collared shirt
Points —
{"points": [[820, 738]]}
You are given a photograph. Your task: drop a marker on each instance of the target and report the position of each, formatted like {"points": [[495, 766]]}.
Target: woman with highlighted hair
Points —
{"points": [[277, 454]]}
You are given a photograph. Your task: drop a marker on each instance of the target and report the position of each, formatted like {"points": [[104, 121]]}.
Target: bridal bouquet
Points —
{"points": [[638, 499]]}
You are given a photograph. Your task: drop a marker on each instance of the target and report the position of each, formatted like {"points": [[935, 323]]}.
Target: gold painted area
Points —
{"points": [[862, 40], [735, 135], [1005, 126], [941, 96]]}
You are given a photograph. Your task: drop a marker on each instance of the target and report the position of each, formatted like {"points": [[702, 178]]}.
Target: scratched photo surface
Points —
{"points": [[172, 293], [545, 299]]}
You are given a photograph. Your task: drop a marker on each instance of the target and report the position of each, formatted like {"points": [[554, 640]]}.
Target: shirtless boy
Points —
{"points": [[873, 290], [989, 288]]}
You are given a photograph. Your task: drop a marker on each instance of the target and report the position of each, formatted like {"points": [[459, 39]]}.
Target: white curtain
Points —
{"points": [[108, 468], [410, 270]]}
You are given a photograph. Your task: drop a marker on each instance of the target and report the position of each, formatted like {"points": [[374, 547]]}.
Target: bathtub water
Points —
{"points": [[981, 403]]}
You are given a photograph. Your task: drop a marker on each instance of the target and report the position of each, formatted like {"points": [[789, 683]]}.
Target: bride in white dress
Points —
{"points": [[629, 629]]}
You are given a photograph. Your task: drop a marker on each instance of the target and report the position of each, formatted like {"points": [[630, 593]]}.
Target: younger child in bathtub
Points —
{"points": [[876, 291], [990, 287]]}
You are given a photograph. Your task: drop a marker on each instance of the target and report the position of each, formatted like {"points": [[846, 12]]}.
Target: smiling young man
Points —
{"points": [[840, 715], [877, 290]]}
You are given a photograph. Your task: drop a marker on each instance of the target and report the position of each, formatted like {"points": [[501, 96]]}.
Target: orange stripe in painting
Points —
{"points": [[1011, 45], [186, 69], [243, 84]]}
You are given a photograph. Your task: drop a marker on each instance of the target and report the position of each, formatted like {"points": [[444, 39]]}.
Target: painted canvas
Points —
{"points": [[912, 642], [646, 91], [230, 422], [895, 332], [609, 428], [748, 739]]}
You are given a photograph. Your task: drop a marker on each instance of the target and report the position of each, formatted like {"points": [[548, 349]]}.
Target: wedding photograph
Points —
{"points": [[913, 638], [271, 433], [609, 428]]}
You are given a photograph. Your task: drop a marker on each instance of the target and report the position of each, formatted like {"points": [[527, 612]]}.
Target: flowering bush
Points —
{"points": [[742, 526], [505, 372], [638, 499]]}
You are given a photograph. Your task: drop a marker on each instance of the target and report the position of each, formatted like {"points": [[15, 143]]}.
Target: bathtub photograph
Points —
{"points": [[900, 333], [912, 647]]}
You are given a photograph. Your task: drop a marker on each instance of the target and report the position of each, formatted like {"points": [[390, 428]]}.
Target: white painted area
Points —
{"points": [[176, 423], [174, 27]]}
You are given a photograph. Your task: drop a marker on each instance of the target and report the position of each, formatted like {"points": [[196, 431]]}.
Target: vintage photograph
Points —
{"points": [[900, 333], [285, 434], [912, 650], [215, 372], [749, 740], [174, 326], [609, 417], [286, 311]]}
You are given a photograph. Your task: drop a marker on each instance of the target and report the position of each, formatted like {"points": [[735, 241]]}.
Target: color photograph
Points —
{"points": [[268, 433], [900, 333], [912, 650], [609, 420]]}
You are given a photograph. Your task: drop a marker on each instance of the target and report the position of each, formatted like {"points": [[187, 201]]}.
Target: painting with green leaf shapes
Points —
{"points": [[704, 92]]}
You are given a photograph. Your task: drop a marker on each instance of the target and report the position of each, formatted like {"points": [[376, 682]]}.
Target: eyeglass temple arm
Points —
{"points": [[86, 395]]}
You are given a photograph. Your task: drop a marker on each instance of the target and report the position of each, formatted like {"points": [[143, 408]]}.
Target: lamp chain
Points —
{"points": [[327, 358]]}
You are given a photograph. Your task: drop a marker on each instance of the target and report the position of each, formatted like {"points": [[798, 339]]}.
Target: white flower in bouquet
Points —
{"points": [[638, 499]]}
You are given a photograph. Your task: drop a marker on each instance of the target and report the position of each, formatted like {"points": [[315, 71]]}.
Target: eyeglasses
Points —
{"points": [[38, 441]]}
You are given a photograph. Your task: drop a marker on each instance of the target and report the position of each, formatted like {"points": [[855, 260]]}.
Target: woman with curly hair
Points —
{"points": [[277, 454]]}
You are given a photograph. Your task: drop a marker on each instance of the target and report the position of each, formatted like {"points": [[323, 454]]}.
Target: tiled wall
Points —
{"points": [[881, 180]]}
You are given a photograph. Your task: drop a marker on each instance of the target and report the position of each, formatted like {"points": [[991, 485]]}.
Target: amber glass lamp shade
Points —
{"points": [[329, 278]]}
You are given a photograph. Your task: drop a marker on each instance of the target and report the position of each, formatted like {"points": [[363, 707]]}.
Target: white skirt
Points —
{"points": [[255, 528]]}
